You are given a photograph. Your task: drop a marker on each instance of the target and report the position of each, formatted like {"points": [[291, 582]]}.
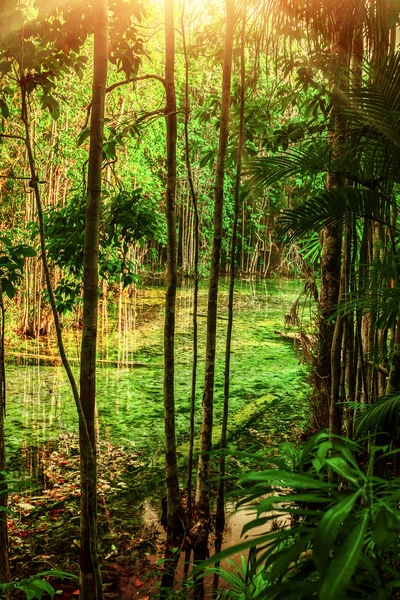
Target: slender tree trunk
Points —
{"points": [[393, 382], [332, 237], [173, 495], [220, 512], [202, 493], [90, 466], [195, 276], [4, 562], [203, 482], [335, 417], [89, 585]]}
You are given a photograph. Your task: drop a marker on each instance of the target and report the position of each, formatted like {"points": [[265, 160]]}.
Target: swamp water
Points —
{"points": [[265, 373], [267, 395]]}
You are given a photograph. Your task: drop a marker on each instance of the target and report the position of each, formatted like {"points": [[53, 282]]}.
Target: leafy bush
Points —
{"points": [[35, 587], [338, 525]]}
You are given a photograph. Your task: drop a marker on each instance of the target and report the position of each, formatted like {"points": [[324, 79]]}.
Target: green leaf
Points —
{"points": [[288, 556], [27, 251], [329, 529], [344, 562], [51, 104], [386, 530], [43, 587], [4, 109], [56, 573], [84, 134], [8, 288], [5, 67]]}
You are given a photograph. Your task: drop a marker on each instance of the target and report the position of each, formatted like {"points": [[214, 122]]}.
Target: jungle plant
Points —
{"points": [[35, 587], [126, 219], [12, 259], [338, 526]]}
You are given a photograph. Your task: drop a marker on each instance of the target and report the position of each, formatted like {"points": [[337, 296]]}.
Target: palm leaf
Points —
{"points": [[331, 206], [377, 415]]}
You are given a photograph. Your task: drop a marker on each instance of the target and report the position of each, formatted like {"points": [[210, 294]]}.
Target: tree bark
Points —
{"points": [[89, 586], [195, 277], [4, 562], [173, 495], [220, 512], [202, 493], [89, 457]]}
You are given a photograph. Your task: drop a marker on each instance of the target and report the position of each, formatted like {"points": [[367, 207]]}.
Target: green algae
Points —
{"points": [[267, 381]]}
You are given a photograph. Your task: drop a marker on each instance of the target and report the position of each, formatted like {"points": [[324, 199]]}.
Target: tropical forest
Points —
{"points": [[200, 299]]}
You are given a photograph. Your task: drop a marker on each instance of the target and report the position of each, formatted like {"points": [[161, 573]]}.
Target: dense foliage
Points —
{"points": [[251, 139]]}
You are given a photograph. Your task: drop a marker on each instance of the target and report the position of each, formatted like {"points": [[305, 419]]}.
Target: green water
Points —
{"points": [[268, 393]]}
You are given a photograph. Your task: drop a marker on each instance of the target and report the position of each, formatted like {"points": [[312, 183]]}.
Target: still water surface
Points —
{"points": [[267, 382]]}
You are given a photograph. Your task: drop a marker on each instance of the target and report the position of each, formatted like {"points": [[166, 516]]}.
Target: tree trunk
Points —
{"points": [[83, 429], [89, 586], [332, 235], [335, 416], [4, 562], [173, 495], [330, 278], [220, 512], [195, 277], [202, 493]]}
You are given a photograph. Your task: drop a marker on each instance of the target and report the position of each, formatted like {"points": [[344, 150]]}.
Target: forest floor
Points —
{"points": [[44, 523]]}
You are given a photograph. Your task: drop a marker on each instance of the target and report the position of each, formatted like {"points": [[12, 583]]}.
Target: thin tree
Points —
{"points": [[220, 513], [195, 273], [89, 587], [203, 475], [173, 494], [4, 561], [203, 484]]}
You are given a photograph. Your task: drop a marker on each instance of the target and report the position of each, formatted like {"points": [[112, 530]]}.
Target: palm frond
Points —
{"points": [[309, 159], [376, 416], [331, 206]]}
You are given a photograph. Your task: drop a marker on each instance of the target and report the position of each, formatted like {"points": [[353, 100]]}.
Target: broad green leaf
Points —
{"points": [[288, 479], [5, 67], [288, 556], [344, 562], [4, 109], [329, 529], [386, 529], [84, 134], [340, 466], [27, 251]]}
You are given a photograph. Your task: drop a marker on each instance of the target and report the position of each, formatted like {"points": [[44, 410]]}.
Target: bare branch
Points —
{"points": [[12, 137], [134, 80]]}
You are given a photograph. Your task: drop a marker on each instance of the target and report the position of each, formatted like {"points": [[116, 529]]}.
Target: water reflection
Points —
{"points": [[130, 374]]}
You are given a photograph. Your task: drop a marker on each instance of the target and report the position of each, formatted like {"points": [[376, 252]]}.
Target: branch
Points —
{"points": [[20, 178], [12, 137], [134, 80], [378, 368], [112, 87]]}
